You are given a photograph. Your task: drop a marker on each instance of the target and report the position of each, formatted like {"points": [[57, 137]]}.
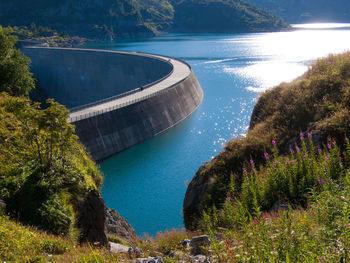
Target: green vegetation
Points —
{"points": [[44, 170], [19, 243], [317, 103], [321, 233], [299, 11], [116, 19], [217, 16], [15, 77]]}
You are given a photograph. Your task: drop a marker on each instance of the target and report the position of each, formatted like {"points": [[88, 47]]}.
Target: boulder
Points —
{"points": [[197, 242], [135, 252], [200, 241], [185, 243], [150, 260], [118, 248]]}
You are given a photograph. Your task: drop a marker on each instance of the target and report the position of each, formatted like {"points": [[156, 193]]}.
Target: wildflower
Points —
{"points": [[228, 199], [243, 170], [321, 181], [319, 150], [251, 161], [273, 142], [327, 157], [329, 145], [309, 135], [266, 155], [291, 150], [301, 136], [297, 148]]}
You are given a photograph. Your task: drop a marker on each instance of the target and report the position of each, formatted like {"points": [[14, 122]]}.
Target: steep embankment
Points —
{"points": [[46, 177], [300, 11], [217, 16], [318, 102]]}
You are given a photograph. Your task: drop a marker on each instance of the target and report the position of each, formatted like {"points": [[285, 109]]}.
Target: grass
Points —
{"points": [[314, 179], [318, 102]]}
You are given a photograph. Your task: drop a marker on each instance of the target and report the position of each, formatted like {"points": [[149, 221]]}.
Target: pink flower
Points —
{"points": [[321, 181], [266, 155], [309, 135], [301, 136], [273, 142], [251, 161]]}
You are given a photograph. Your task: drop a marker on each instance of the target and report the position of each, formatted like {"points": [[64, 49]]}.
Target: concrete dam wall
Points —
{"points": [[76, 77], [159, 92]]}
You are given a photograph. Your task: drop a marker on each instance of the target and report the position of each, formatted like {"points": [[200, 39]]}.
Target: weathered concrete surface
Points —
{"points": [[75, 77], [114, 131]]}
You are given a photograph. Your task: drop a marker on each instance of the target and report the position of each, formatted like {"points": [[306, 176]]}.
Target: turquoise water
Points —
{"points": [[146, 184]]}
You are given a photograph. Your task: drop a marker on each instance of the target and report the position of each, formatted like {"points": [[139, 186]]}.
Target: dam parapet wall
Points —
{"points": [[118, 118]]}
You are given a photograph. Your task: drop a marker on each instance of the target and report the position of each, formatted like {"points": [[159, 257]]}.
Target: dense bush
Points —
{"points": [[44, 170], [317, 179], [15, 77]]}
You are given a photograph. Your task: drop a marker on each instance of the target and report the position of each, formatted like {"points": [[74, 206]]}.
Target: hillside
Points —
{"points": [[317, 103], [107, 19], [116, 19], [300, 11], [217, 16]]}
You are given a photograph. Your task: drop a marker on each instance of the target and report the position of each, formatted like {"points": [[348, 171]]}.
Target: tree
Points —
{"points": [[15, 77]]}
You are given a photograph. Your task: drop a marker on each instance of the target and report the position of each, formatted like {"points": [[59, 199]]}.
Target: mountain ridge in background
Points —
{"points": [[116, 19]]}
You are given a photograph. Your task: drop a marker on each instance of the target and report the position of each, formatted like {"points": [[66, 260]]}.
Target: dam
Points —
{"points": [[116, 99]]}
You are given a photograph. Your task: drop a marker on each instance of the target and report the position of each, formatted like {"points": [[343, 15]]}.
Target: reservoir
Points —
{"points": [[146, 184]]}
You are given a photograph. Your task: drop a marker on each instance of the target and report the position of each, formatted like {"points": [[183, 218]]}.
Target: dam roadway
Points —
{"points": [[117, 99], [180, 72]]}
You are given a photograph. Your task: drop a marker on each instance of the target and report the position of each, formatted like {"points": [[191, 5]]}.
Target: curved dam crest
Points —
{"points": [[117, 99]]}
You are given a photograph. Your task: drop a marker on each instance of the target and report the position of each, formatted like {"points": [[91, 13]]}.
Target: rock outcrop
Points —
{"points": [[92, 220], [117, 225]]}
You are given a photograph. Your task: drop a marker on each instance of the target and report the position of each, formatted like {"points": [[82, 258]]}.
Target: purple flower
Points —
{"points": [[319, 150], [266, 155], [243, 170], [273, 142], [309, 135], [327, 157], [251, 161], [321, 181], [329, 145], [228, 199], [301, 136], [297, 148]]}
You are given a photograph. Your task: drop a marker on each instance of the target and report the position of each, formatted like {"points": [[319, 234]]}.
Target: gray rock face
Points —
{"points": [[117, 225], [91, 220], [195, 194], [150, 260]]}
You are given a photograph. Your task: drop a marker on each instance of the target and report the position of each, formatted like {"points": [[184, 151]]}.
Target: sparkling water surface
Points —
{"points": [[146, 184]]}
